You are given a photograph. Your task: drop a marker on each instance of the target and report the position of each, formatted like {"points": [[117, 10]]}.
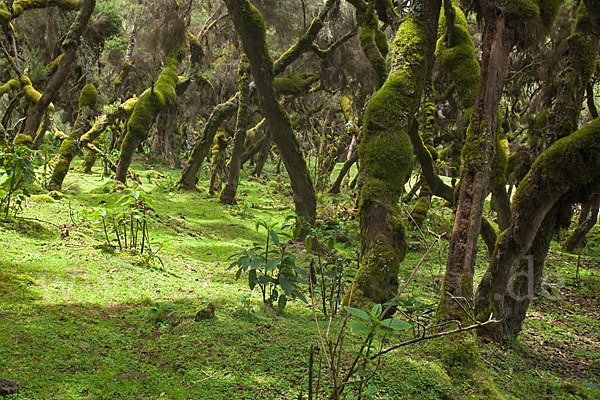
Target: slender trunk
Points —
{"points": [[587, 220], [243, 120], [252, 31], [335, 188]]}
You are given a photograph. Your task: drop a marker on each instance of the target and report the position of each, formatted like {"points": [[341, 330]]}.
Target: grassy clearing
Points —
{"points": [[74, 325]]}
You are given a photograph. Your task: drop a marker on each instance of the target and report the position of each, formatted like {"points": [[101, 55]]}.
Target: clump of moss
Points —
{"points": [[23, 140], [42, 198], [5, 15], [110, 187], [53, 65], [88, 96], [460, 356]]}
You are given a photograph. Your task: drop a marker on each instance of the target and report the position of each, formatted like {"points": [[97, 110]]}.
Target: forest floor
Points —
{"points": [[80, 319]]}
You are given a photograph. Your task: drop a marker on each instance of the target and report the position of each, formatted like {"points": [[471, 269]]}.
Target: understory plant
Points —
{"points": [[18, 166], [271, 268], [129, 223]]}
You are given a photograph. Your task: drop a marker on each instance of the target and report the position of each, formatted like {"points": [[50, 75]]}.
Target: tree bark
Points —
{"points": [[243, 121], [587, 220], [498, 40], [252, 31], [224, 111], [567, 168], [70, 147]]}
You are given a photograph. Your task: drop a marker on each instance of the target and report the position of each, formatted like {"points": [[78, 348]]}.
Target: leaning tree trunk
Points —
{"points": [[152, 101], [243, 121], [224, 111], [562, 119], [568, 169], [70, 44], [69, 148], [385, 155], [251, 28], [587, 220]]}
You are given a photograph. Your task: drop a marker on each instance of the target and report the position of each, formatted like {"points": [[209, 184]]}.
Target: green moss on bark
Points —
{"points": [[9, 86], [386, 159], [456, 55]]}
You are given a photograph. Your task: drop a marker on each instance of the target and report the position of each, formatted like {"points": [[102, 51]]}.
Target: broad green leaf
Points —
{"points": [[256, 263], [308, 242], [376, 311], [252, 279], [285, 285], [272, 264], [357, 313], [396, 324], [360, 328], [274, 236], [300, 296], [282, 302]]}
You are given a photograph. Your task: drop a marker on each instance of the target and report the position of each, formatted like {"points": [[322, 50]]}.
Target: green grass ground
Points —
{"points": [[74, 313]]}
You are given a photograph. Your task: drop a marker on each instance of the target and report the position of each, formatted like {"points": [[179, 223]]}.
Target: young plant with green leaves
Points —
{"points": [[271, 268], [18, 166]]}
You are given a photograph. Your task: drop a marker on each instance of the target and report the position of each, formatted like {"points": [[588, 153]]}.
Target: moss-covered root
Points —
{"points": [[69, 146], [150, 102], [460, 357], [386, 158]]}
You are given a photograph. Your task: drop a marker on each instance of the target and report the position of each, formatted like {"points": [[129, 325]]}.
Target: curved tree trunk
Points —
{"points": [[589, 218], [252, 31], [224, 111], [568, 167], [385, 155], [69, 147], [152, 101]]}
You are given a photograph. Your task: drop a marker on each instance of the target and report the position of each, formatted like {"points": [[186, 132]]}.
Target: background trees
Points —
{"points": [[490, 106]]}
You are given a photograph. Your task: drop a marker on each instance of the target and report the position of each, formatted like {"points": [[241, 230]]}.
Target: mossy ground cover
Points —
{"points": [[74, 325]]}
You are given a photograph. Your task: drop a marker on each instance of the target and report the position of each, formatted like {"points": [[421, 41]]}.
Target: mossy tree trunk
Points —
{"points": [[521, 279], [70, 45], [478, 151], [70, 146], [242, 124], [587, 220], [566, 171], [385, 155], [152, 101], [251, 29]]}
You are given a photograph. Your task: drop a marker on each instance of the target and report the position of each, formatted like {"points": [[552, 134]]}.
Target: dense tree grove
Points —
{"points": [[484, 111]]}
